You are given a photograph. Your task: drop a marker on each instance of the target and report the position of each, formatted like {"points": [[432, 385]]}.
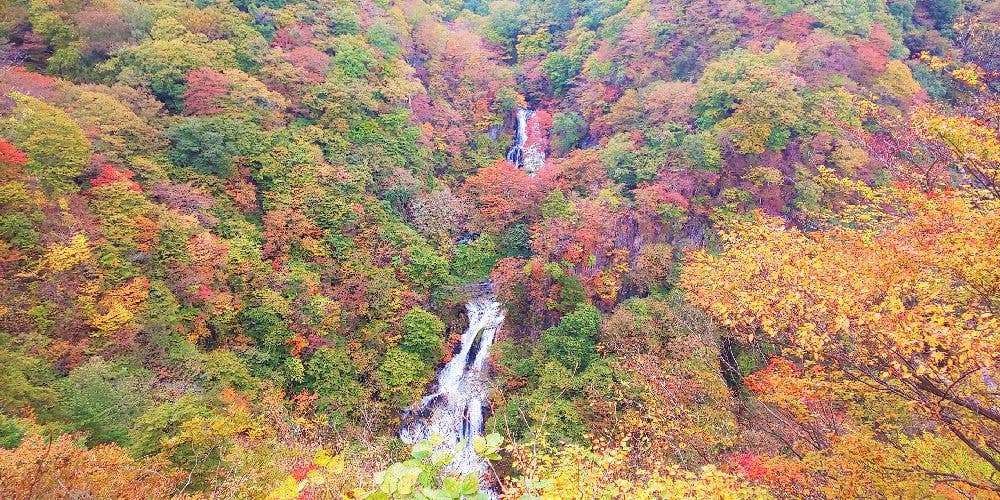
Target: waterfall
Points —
{"points": [[455, 409], [526, 153]]}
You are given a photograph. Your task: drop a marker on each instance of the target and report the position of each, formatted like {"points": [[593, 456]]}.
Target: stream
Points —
{"points": [[454, 409]]}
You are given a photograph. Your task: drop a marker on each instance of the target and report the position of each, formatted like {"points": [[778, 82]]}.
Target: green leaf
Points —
{"points": [[440, 458], [479, 444], [494, 440], [377, 495], [470, 484], [433, 494], [435, 439], [452, 488], [406, 484], [421, 450], [427, 477]]}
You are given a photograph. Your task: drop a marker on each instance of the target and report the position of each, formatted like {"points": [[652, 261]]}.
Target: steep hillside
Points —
{"points": [[738, 249]]}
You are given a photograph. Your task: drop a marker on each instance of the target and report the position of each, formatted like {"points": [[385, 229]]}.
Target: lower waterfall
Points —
{"points": [[455, 409]]}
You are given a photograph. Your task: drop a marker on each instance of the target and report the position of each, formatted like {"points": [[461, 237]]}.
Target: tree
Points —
{"points": [[973, 147], [439, 215], [224, 369], [288, 234], [753, 96], [11, 159], [211, 145], [702, 152], [572, 342], [160, 422], [102, 399], [205, 88], [426, 268], [25, 382], [904, 311], [655, 268], [401, 377], [560, 70], [978, 41], [271, 335], [670, 102], [474, 261], [897, 82], [557, 206], [422, 475], [116, 132], [568, 129], [56, 148], [162, 62], [333, 376], [233, 93], [623, 158], [124, 214], [846, 16], [56, 467], [423, 335], [352, 56], [499, 194], [109, 175], [944, 13], [574, 471]]}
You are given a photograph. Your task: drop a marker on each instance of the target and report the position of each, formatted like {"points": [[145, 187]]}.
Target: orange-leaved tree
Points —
{"points": [[908, 312]]}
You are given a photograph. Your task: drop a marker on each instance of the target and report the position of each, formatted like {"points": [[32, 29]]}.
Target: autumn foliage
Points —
{"points": [[755, 254], [58, 468], [906, 312]]}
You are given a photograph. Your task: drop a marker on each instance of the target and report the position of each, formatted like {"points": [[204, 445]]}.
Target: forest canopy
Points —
{"points": [[739, 249]]}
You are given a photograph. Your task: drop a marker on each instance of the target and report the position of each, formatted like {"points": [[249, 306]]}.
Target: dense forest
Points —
{"points": [[697, 248]]}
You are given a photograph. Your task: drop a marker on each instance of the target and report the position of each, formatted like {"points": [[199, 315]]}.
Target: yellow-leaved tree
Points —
{"points": [[903, 313]]}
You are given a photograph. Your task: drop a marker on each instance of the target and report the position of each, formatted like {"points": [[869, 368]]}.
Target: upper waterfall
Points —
{"points": [[527, 152]]}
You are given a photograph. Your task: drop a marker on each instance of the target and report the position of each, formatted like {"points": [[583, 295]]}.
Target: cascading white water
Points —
{"points": [[455, 410], [525, 155], [520, 135]]}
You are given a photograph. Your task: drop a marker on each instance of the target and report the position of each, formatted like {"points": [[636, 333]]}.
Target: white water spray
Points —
{"points": [[455, 410], [529, 157]]}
